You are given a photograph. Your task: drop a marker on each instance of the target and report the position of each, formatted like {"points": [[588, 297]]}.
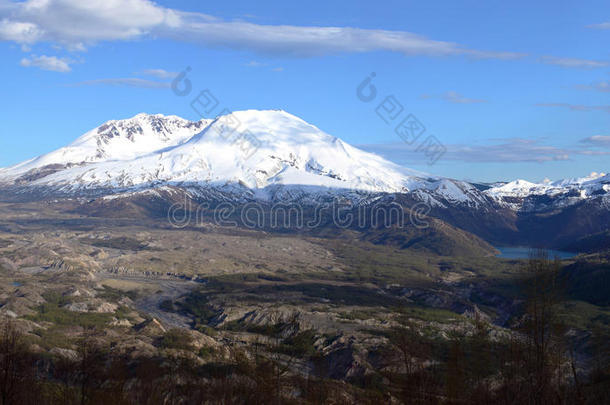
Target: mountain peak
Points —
{"points": [[269, 127], [140, 125], [252, 147], [117, 140]]}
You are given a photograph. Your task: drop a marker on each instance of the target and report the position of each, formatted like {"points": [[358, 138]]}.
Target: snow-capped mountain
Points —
{"points": [[120, 140], [258, 151], [262, 154], [524, 195]]}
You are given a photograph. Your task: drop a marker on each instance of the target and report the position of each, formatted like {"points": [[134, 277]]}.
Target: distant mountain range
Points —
{"points": [[271, 156]]}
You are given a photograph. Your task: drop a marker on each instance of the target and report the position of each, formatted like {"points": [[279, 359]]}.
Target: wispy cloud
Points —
{"points": [[44, 62], [574, 62], [602, 86], [159, 73], [597, 140], [509, 150], [124, 82], [600, 26], [594, 153], [77, 23], [257, 64], [454, 97], [577, 107]]}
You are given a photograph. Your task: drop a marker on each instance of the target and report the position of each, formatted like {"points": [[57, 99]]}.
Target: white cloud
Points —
{"points": [[159, 73], [597, 140], [594, 153], [455, 98], [257, 64], [314, 41], [75, 23], [44, 62], [20, 32], [508, 150], [577, 107], [125, 82], [574, 62], [599, 86], [601, 26]]}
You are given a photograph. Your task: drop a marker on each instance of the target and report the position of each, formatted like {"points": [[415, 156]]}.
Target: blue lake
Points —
{"points": [[524, 253]]}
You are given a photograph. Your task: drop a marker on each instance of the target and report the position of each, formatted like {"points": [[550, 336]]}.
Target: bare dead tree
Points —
{"points": [[542, 328], [15, 371]]}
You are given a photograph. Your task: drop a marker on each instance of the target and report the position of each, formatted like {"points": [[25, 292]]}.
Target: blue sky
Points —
{"points": [[511, 89]]}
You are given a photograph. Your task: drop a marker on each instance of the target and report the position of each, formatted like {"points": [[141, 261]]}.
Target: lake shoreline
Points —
{"points": [[524, 252]]}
